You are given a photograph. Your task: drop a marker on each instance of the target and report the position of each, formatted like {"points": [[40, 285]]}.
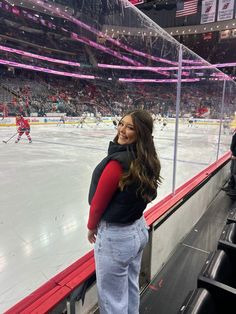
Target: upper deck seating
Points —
{"points": [[218, 276]]}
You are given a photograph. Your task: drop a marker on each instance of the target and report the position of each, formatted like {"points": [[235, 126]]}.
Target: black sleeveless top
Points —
{"points": [[125, 206]]}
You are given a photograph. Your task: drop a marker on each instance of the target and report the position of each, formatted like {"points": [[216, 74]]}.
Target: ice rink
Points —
{"points": [[44, 188]]}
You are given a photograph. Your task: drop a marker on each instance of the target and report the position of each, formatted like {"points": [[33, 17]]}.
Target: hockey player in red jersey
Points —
{"points": [[23, 127]]}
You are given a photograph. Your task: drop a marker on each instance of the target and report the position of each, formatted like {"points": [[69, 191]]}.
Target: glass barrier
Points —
{"points": [[96, 60], [104, 58]]}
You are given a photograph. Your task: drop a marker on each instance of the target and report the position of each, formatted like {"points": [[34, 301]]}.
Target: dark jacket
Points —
{"points": [[125, 206], [233, 145]]}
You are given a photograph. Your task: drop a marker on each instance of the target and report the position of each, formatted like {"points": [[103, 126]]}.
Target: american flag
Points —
{"points": [[186, 7]]}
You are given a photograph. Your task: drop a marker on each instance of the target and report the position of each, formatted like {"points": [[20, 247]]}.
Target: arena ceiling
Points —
{"points": [[50, 18], [34, 6]]}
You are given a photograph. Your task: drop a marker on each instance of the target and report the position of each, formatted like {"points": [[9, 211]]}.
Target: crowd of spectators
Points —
{"points": [[33, 93]]}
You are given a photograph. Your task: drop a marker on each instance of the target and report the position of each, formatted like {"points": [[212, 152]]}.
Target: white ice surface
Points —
{"points": [[44, 190]]}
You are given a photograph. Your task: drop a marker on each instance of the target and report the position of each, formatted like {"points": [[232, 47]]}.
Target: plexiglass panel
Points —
{"points": [[118, 59], [97, 59], [106, 57]]}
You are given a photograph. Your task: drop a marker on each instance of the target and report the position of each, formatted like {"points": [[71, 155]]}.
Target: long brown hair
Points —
{"points": [[145, 169]]}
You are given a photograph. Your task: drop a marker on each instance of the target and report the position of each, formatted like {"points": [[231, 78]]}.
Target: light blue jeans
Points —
{"points": [[118, 252]]}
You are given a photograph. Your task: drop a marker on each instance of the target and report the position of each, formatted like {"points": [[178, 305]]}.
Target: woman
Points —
{"points": [[230, 189], [122, 185]]}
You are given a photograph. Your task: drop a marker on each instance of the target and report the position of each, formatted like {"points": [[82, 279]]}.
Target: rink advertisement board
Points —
{"points": [[11, 121], [6, 121]]}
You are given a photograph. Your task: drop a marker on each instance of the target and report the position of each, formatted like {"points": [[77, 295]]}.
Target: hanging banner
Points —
{"points": [[208, 11], [225, 10]]}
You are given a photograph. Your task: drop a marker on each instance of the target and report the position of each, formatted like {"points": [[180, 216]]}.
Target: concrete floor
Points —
{"points": [[44, 188]]}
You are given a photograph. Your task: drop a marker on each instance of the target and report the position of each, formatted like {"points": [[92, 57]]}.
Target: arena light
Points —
{"points": [[120, 67], [185, 67], [104, 49], [45, 70], [92, 77], [139, 80], [32, 55], [36, 56]]}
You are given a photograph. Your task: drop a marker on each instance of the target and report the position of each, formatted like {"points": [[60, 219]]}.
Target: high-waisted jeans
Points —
{"points": [[118, 252]]}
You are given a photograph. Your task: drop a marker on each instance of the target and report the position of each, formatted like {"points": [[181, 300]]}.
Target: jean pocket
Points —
{"points": [[123, 249]]}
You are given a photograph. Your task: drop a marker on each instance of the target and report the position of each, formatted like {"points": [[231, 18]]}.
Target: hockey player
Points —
{"points": [[23, 127], [164, 124], [62, 121], [81, 122]]}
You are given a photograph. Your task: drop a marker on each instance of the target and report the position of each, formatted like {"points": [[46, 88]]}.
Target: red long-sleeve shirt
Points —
{"points": [[107, 186]]}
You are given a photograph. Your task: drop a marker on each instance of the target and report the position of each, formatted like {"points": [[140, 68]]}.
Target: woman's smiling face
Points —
{"points": [[126, 132]]}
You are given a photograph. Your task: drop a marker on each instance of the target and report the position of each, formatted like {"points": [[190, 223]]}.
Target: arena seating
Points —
{"points": [[218, 276], [232, 216], [227, 241], [216, 284], [200, 301]]}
